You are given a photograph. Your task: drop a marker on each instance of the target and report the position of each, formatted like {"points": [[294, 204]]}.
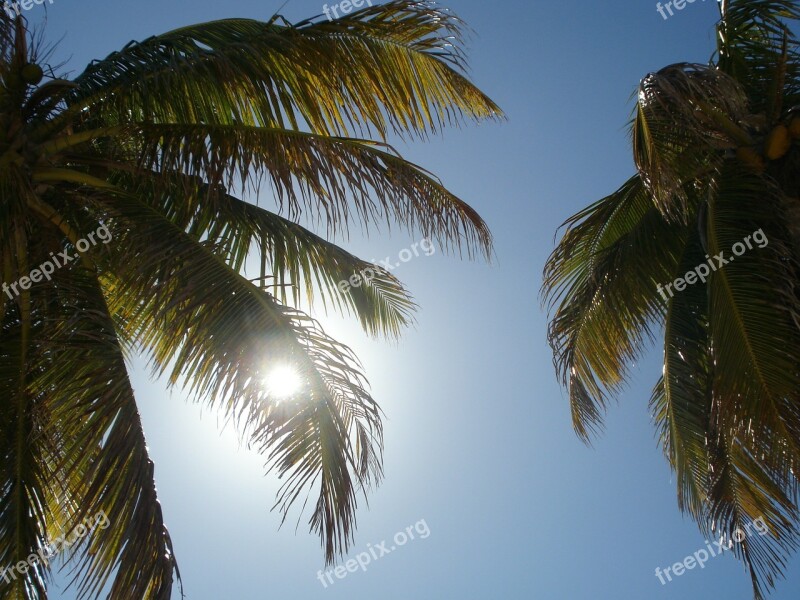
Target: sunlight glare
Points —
{"points": [[282, 382]]}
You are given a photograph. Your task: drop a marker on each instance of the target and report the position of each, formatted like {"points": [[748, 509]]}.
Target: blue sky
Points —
{"points": [[478, 437]]}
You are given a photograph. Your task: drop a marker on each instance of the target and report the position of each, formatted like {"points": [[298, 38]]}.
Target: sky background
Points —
{"points": [[479, 443]]}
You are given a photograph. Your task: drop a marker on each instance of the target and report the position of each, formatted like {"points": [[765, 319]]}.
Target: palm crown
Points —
{"points": [[147, 147], [717, 168]]}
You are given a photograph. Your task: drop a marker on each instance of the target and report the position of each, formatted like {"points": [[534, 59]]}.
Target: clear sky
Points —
{"points": [[479, 447]]}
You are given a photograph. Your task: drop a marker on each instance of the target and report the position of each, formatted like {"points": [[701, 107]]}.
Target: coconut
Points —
{"points": [[778, 142], [32, 73], [794, 127]]}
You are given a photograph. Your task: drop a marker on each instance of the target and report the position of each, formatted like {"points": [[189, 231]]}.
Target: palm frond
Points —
{"points": [[602, 275], [757, 47], [302, 265], [681, 401], [327, 172], [104, 463], [408, 78], [219, 335], [686, 115], [151, 144]]}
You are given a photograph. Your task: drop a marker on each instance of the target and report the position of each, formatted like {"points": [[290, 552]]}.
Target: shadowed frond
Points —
{"points": [[104, 462], [756, 46], [685, 115], [716, 200]]}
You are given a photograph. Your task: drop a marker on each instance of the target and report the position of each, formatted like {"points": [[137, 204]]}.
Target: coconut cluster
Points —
{"points": [[776, 145]]}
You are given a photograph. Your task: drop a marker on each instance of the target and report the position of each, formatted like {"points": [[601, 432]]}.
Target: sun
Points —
{"points": [[283, 381]]}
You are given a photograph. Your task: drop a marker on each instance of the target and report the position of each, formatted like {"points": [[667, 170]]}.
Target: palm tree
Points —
{"points": [[717, 169], [146, 150]]}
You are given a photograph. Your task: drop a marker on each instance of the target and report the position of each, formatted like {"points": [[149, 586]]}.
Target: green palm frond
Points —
{"points": [[601, 278], [158, 145], [302, 265], [756, 46], [218, 333], [408, 78], [755, 336], [324, 172], [95, 424]]}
